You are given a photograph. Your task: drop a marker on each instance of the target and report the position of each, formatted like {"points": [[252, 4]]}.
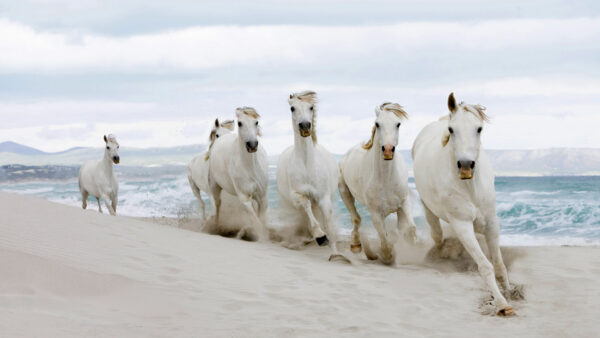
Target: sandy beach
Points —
{"points": [[70, 272]]}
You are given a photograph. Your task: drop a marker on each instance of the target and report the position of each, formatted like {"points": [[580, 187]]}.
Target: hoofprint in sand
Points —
{"points": [[70, 272]]}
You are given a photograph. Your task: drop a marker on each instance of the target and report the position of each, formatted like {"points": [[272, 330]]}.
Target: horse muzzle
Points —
{"points": [[388, 152], [116, 159], [252, 146], [466, 169], [305, 128], [466, 173], [304, 133]]}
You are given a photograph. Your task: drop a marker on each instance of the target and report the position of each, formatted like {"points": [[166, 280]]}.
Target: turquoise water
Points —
{"points": [[532, 210]]}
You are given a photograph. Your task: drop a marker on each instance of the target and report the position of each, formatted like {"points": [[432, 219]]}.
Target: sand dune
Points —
{"points": [[69, 272]]}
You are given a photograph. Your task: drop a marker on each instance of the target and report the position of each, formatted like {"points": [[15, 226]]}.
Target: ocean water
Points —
{"points": [[531, 210]]}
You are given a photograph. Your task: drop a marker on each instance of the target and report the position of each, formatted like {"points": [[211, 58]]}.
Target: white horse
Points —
{"points": [[307, 173], [96, 177], [198, 166], [456, 183], [239, 165], [375, 177]]}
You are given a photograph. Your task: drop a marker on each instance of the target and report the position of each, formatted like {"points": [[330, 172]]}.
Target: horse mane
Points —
{"points": [[228, 124], [395, 108], [369, 143], [477, 110], [309, 96], [248, 111]]}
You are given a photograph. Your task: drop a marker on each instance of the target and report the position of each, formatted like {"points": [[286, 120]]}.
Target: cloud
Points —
{"points": [[211, 47], [539, 79]]}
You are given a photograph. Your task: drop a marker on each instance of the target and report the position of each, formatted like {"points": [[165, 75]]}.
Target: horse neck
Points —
{"points": [[381, 168], [304, 147], [107, 163]]}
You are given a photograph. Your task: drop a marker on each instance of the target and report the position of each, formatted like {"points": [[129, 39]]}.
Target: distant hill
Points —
{"points": [[16, 148], [546, 162]]}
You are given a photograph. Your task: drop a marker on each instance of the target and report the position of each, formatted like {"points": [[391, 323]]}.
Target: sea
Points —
{"points": [[550, 210]]}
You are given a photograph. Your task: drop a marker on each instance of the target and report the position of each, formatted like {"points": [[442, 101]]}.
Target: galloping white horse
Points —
{"points": [[307, 173], [379, 180], [96, 177], [239, 165], [198, 166], [456, 183]]}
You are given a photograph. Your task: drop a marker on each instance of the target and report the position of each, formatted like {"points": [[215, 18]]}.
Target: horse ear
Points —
{"points": [[452, 103], [217, 123], [105, 140]]}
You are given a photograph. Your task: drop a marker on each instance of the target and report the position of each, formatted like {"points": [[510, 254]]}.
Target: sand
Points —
{"points": [[69, 272]]}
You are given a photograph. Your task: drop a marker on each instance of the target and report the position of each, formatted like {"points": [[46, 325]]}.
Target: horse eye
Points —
{"points": [[479, 130], [376, 125], [398, 125], [107, 147], [311, 107], [256, 124], [240, 124], [292, 109], [451, 130], [218, 135]]}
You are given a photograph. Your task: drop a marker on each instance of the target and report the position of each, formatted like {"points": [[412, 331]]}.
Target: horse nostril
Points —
{"points": [[382, 148], [458, 164], [304, 125], [473, 165], [393, 148]]}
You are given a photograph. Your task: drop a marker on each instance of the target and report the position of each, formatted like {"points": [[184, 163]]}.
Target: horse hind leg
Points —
{"points": [[348, 199], [84, 198], [99, 205], [434, 225], [196, 191], [406, 223]]}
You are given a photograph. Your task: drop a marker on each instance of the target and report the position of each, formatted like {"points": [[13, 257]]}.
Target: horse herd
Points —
{"points": [[452, 173]]}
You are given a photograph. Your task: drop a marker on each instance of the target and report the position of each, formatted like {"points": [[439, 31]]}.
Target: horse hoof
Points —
{"points": [[339, 258], [322, 240], [356, 248], [506, 312]]}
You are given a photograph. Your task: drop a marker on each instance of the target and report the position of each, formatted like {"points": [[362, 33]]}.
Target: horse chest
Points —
{"points": [[386, 198]]}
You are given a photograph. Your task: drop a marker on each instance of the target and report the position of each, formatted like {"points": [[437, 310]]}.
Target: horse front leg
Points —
{"points": [[303, 202], [215, 191], [466, 235], [348, 200], [387, 256], [252, 205], [108, 203], [492, 240], [406, 222]]}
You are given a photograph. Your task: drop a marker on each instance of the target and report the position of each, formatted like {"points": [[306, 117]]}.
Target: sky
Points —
{"points": [[157, 73]]}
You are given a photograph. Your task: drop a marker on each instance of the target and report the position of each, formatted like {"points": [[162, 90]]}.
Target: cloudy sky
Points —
{"points": [[156, 73]]}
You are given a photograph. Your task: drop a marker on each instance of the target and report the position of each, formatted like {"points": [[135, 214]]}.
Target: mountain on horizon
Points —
{"points": [[507, 162], [16, 148]]}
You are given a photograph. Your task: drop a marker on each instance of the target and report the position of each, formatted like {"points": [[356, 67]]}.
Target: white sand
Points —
{"points": [[69, 272]]}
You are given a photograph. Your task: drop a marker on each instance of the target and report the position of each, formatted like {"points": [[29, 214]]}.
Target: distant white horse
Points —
{"points": [[307, 173], [96, 177], [379, 180], [456, 183], [198, 166], [239, 165]]}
